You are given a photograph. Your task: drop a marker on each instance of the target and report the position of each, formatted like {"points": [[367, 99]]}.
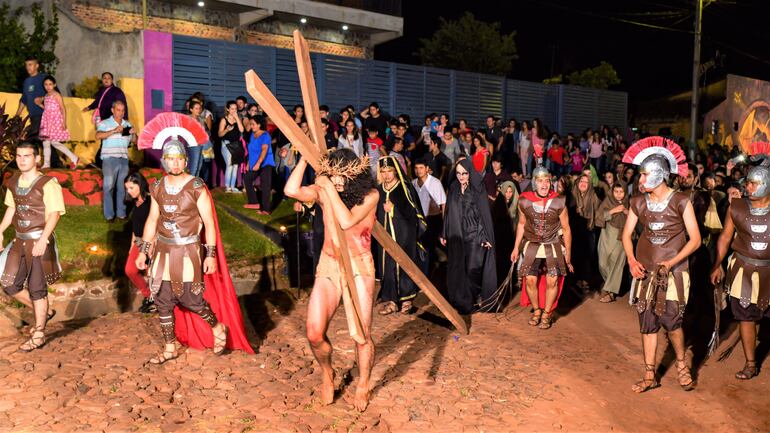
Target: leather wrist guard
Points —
{"points": [[211, 250], [144, 247]]}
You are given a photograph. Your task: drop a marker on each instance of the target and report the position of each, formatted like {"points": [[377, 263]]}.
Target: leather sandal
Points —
{"points": [[749, 370], [546, 321], [406, 307], [220, 342], [535, 319], [164, 357], [388, 308], [36, 341], [646, 383], [607, 298], [684, 375]]}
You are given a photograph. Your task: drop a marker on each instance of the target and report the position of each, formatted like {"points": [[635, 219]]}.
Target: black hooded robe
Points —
{"points": [[471, 269], [403, 227]]}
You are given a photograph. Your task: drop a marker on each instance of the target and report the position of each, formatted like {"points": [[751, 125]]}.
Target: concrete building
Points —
{"points": [[107, 35]]}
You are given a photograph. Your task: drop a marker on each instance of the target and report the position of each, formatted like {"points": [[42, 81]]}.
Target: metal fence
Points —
{"points": [[216, 68]]}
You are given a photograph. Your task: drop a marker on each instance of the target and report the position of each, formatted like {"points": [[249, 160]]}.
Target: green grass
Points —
{"points": [[242, 242], [282, 215], [83, 227]]}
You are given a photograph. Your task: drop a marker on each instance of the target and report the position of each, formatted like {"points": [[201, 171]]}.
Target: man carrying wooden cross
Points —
{"points": [[345, 190]]}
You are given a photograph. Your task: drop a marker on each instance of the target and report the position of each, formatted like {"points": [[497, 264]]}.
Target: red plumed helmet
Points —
{"points": [[167, 126], [657, 145], [759, 148]]}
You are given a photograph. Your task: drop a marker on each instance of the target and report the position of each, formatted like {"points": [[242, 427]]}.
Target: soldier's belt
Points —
{"points": [[753, 262], [179, 241], [29, 235]]}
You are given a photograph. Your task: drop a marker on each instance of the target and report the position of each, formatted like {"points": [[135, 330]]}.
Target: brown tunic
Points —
{"points": [[748, 271], [179, 226], [663, 236], [29, 223], [541, 235]]}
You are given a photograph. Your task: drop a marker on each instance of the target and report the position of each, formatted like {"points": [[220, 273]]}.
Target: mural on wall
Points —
{"points": [[748, 110]]}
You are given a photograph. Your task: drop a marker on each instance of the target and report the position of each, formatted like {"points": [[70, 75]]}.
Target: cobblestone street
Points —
{"points": [[504, 376]]}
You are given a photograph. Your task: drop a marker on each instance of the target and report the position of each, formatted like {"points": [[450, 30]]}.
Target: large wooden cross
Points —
{"points": [[310, 150]]}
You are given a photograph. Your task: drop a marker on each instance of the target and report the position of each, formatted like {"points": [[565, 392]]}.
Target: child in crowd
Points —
{"points": [[53, 125], [374, 149]]}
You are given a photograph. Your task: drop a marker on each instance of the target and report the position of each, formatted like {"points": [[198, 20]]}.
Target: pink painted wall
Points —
{"points": [[157, 71], [158, 49]]}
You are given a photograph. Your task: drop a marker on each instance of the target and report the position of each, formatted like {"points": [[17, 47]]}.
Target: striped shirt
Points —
{"points": [[116, 145]]}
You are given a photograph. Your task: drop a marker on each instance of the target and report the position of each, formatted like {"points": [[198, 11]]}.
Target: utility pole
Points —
{"points": [[695, 74], [144, 14]]}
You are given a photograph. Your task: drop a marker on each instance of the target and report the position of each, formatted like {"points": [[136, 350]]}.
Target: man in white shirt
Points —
{"points": [[432, 200]]}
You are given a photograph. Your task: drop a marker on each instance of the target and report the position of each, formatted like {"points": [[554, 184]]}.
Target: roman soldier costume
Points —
{"points": [[29, 222], [176, 273], [661, 296], [542, 250]]}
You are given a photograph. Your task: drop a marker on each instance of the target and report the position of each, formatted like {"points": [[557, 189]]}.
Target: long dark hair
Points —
{"points": [[144, 188], [52, 80], [358, 187]]}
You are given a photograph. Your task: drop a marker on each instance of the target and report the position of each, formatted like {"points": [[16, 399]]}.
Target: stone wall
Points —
{"points": [[88, 299], [127, 20]]}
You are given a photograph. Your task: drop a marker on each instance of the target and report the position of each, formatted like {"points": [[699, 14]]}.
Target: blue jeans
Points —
{"points": [[231, 170], [194, 159], [114, 171]]}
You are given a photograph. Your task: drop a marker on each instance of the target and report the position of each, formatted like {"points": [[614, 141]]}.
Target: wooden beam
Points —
{"points": [[309, 94], [312, 154], [397, 253], [350, 299]]}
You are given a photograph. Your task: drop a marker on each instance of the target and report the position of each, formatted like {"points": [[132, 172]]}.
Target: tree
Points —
{"points": [[16, 44], [469, 45], [598, 77]]}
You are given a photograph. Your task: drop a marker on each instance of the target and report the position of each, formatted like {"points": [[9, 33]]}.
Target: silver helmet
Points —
{"points": [[760, 175], [657, 168], [173, 148], [540, 171]]}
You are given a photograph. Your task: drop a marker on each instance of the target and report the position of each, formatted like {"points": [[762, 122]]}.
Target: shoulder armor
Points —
{"points": [[156, 183], [198, 182]]}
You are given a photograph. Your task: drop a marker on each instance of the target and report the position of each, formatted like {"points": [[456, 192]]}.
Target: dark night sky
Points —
{"points": [[650, 62]]}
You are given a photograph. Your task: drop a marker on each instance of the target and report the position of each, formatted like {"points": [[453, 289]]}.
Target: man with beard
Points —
{"points": [[344, 189], [661, 282], [400, 214], [542, 213], [748, 270], [182, 208]]}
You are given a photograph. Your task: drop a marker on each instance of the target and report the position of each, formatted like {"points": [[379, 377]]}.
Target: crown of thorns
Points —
{"points": [[346, 169]]}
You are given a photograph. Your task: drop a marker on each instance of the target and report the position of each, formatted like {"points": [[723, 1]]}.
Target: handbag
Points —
{"points": [[207, 152], [236, 151], [96, 117]]}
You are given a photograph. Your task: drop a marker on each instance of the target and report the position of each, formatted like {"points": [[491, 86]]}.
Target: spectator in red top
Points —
{"points": [[481, 154], [558, 157], [375, 150]]}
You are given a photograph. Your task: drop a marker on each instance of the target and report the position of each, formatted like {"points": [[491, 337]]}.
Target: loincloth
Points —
{"points": [[645, 293], [749, 280], [534, 252], [329, 267]]}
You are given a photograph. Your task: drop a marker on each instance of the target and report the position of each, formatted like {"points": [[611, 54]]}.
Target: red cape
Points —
{"points": [[191, 330], [541, 286], [534, 198], [541, 283]]}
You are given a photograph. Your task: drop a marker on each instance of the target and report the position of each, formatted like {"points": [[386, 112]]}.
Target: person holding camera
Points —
{"points": [[116, 135]]}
